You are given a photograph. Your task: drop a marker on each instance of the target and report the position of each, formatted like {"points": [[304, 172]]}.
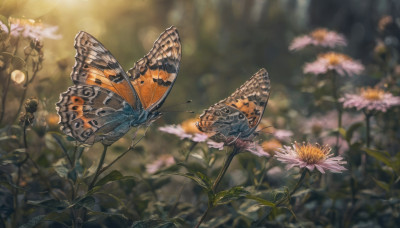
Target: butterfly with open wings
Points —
{"points": [[236, 118], [105, 102]]}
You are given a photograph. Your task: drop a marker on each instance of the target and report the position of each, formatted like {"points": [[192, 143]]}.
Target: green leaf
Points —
{"points": [[261, 201], [227, 196], [350, 131], [379, 155], [156, 223], [87, 202], [112, 176], [33, 222], [382, 184], [205, 184], [62, 171], [53, 204]]}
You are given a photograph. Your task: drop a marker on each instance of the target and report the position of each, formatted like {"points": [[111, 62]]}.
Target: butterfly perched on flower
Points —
{"points": [[236, 118], [105, 102]]}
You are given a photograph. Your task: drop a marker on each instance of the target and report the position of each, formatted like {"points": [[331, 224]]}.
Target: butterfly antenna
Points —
{"points": [[174, 105], [261, 130]]}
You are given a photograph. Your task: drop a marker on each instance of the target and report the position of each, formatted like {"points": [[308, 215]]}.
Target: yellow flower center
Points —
{"points": [[334, 58], [312, 154], [319, 34], [372, 94], [189, 126]]}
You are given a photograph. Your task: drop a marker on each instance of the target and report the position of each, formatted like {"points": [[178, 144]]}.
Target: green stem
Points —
{"points": [[296, 187], [262, 174], [338, 108], [97, 173], [218, 180], [368, 139], [15, 199], [368, 126], [225, 167], [171, 212]]}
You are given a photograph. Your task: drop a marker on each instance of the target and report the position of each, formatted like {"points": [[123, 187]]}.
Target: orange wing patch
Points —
{"points": [[77, 106], [152, 86], [249, 108], [105, 81]]}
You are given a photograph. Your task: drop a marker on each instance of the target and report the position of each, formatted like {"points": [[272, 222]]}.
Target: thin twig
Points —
{"points": [[217, 181]]}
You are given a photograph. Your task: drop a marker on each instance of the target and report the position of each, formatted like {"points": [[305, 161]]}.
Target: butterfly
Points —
{"points": [[238, 116], [105, 102]]}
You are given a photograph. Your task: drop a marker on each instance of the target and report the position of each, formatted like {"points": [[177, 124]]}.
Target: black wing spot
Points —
{"points": [[97, 81], [74, 108], [162, 82]]}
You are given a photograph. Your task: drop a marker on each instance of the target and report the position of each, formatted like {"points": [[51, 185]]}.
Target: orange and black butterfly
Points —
{"points": [[106, 102], [238, 116]]}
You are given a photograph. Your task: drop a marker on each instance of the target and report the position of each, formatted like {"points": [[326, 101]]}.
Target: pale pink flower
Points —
{"points": [[163, 161], [175, 130], [370, 99], [321, 126], [29, 28], [186, 130], [342, 64], [216, 145], [311, 157], [318, 37], [283, 135], [246, 145]]}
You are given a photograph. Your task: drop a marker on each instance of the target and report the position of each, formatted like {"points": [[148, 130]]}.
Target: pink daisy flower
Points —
{"points": [[311, 157], [342, 64], [318, 37], [163, 161], [29, 28], [186, 130], [283, 135], [370, 99]]}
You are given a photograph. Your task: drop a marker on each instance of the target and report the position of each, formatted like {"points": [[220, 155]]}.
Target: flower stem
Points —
{"points": [[218, 180], [225, 167], [338, 108], [368, 126], [96, 175], [368, 140], [296, 187]]}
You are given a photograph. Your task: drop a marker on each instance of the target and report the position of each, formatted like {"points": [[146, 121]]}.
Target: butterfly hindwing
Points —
{"points": [[154, 75], [95, 65], [91, 113], [239, 114]]}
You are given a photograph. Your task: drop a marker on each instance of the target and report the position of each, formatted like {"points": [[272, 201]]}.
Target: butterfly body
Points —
{"points": [[238, 116], [106, 102]]}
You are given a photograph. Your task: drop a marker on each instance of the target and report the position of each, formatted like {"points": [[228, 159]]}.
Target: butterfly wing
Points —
{"points": [[240, 113], [154, 75], [95, 65], [91, 114]]}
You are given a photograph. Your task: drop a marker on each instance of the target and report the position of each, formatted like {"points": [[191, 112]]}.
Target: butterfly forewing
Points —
{"points": [[252, 97], [154, 75], [95, 65]]}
